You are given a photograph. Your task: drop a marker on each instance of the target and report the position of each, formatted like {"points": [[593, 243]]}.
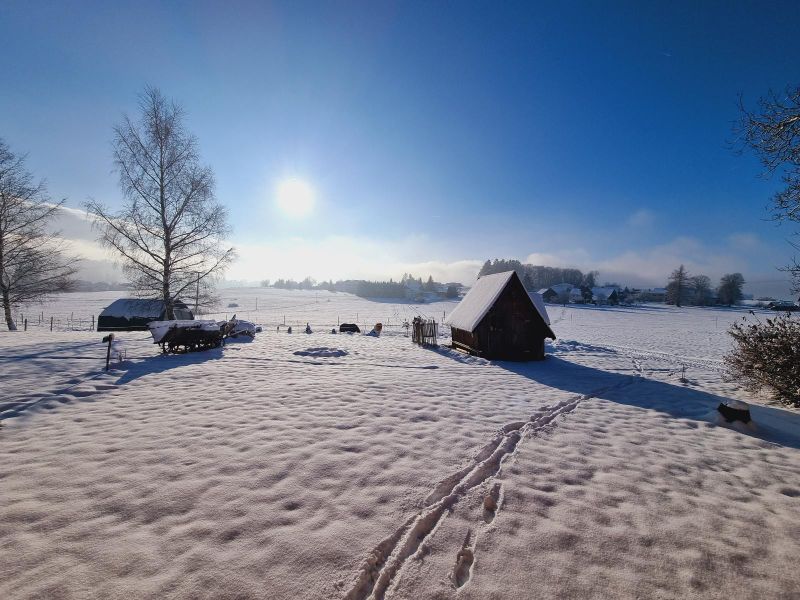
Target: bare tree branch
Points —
{"points": [[773, 133], [33, 264], [170, 231]]}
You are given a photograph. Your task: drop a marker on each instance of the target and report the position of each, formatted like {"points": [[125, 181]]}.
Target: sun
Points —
{"points": [[295, 198]]}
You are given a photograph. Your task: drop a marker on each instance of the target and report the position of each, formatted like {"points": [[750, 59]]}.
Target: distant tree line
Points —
{"points": [[536, 277], [696, 290], [366, 289]]}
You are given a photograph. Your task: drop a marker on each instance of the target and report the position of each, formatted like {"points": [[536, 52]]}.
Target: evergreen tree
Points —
{"points": [[678, 286]]}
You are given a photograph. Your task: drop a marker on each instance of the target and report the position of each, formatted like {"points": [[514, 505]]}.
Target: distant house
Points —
{"points": [[498, 319], [413, 290], [653, 295], [133, 314], [576, 295], [548, 294], [605, 295], [562, 288]]}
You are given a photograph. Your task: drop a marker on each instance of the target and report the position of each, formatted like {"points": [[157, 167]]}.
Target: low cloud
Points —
{"points": [[357, 257], [343, 257]]}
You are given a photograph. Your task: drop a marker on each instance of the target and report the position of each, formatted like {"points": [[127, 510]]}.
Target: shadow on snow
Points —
{"points": [[773, 425]]}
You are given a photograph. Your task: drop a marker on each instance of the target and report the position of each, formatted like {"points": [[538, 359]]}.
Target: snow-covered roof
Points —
{"points": [[129, 308], [560, 288], [480, 298], [134, 307], [605, 291], [538, 302], [543, 290]]}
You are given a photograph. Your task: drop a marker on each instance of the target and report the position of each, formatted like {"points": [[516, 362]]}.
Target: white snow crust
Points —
{"points": [[338, 466], [158, 329]]}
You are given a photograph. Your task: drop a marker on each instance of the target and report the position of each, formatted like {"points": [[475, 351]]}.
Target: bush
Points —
{"points": [[766, 355]]}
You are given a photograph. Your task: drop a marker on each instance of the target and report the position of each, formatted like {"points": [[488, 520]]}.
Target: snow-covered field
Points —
{"points": [[339, 466]]}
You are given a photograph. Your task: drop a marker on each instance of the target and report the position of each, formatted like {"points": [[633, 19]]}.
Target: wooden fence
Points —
{"points": [[424, 332]]}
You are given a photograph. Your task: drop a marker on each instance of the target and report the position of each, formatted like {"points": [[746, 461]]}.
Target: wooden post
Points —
{"points": [[109, 338], [26, 324], [51, 323], [92, 322]]}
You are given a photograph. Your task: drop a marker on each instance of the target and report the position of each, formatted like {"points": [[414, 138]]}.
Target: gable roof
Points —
{"points": [[538, 302], [605, 291], [480, 298], [129, 308]]}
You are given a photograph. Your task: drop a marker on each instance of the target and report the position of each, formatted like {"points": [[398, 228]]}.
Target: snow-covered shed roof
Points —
{"points": [[130, 308], [134, 307], [538, 302], [543, 290], [480, 298]]}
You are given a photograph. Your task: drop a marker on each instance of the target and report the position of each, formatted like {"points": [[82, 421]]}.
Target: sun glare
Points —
{"points": [[295, 198]]}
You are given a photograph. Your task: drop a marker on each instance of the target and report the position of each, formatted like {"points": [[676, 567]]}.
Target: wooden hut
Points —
{"points": [[133, 314], [498, 319], [548, 294]]}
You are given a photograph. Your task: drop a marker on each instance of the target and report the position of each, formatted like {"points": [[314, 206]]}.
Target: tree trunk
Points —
{"points": [[7, 311]]}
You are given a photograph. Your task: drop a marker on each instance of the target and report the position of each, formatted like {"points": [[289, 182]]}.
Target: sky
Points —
{"points": [[430, 136]]}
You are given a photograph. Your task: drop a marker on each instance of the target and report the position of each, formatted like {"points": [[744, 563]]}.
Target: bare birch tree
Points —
{"points": [[33, 264], [171, 230]]}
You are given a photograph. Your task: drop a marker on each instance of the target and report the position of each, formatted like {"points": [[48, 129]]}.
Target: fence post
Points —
{"points": [[109, 338], [92, 322], [26, 324], [51, 323]]}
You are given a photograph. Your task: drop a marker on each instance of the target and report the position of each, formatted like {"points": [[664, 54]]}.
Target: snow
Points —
{"points": [[130, 308], [538, 302], [480, 298], [158, 329], [344, 466]]}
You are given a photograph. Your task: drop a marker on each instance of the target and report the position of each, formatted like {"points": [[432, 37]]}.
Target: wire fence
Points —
{"points": [[55, 322], [268, 319]]}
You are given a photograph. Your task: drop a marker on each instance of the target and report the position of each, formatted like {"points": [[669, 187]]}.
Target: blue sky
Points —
{"points": [[435, 135]]}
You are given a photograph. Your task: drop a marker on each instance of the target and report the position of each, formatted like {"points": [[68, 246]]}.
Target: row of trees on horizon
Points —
{"points": [[696, 290]]}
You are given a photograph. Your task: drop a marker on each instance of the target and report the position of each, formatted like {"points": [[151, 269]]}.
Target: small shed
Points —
{"points": [[548, 294], [133, 314], [498, 319]]}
